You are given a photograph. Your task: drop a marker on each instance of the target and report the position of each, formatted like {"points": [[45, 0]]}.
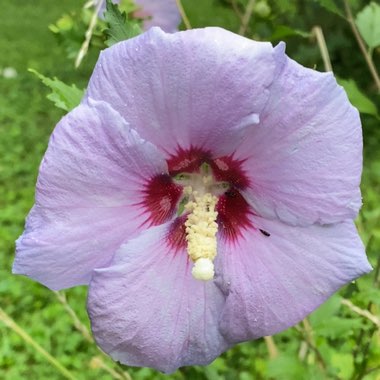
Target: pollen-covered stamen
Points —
{"points": [[201, 229]]}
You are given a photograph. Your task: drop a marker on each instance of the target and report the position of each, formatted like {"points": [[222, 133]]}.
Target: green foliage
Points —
{"points": [[368, 22], [283, 31], [331, 6], [358, 98], [119, 29], [62, 95], [70, 30]]}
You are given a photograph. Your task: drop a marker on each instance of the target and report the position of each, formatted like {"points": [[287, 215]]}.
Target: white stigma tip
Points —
{"points": [[203, 269]]}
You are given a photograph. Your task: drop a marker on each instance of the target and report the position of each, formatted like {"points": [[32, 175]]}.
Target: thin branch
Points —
{"points": [[247, 17], [271, 346], [318, 33], [307, 334], [86, 43], [366, 54], [364, 313], [10, 323], [236, 9], [98, 361], [77, 323], [183, 14]]}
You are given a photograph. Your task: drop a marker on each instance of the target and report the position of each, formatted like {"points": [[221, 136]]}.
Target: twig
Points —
{"points": [[362, 45], [98, 362], [307, 333], [318, 33], [364, 313], [236, 9], [310, 341], [9, 322], [247, 17], [271, 346], [183, 14], [86, 43], [77, 323]]}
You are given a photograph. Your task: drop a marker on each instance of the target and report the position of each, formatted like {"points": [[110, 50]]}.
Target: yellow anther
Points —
{"points": [[201, 229]]}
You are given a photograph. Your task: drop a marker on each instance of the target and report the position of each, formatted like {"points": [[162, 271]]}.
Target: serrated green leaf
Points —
{"points": [[62, 95], [357, 98], [119, 29], [331, 6], [368, 22]]}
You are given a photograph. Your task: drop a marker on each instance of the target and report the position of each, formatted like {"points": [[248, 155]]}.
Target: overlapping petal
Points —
{"points": [[304, 159], [275, 281], [162, 13], [186, 89], [90, 183], [147, 309]]}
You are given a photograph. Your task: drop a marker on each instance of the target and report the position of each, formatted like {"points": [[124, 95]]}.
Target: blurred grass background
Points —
{"points": [[335, 342]]}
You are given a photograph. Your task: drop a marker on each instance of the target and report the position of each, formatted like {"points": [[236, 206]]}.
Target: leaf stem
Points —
{"points": [[236, 9], [10, 323], [183, 14], [246, 17], [86, 43], [120, 374], [364, 313], [271, 346], [362, 45], [318, 34]]}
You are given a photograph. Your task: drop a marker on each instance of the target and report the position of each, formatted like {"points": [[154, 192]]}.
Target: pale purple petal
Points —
{"points": [[147, 310], [162, 13], [87, 196], [275, 281], [200, 88], [304, 159]]}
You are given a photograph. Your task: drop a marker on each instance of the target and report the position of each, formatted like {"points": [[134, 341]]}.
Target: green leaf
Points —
{"points": [[331, 6], [368, 22], [344, 363], [357, 98], [336, 327], [326, 310], [62, 95], [118, 27], [285, 367], [283, 31]]}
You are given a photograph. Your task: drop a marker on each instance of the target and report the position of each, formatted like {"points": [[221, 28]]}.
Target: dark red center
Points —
{"points": [[162, 194]]}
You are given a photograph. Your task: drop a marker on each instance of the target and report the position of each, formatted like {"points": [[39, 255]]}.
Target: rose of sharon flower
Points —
{"points": [[162, 13], [205, 189]]}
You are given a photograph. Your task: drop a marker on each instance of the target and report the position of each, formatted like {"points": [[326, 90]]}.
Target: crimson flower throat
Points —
{"points": [[198, 183]]}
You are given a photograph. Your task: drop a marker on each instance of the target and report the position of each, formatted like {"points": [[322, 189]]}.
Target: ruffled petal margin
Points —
{"points": [[87, 198], [304, 159], [201, 88], [147, 310], [275, 281]]}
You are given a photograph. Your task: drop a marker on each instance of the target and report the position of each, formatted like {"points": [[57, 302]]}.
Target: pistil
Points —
{"points": [[201, 229]]}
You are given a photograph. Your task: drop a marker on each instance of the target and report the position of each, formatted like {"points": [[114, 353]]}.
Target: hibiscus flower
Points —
{"points": [[205, 189], [162, 13]]}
